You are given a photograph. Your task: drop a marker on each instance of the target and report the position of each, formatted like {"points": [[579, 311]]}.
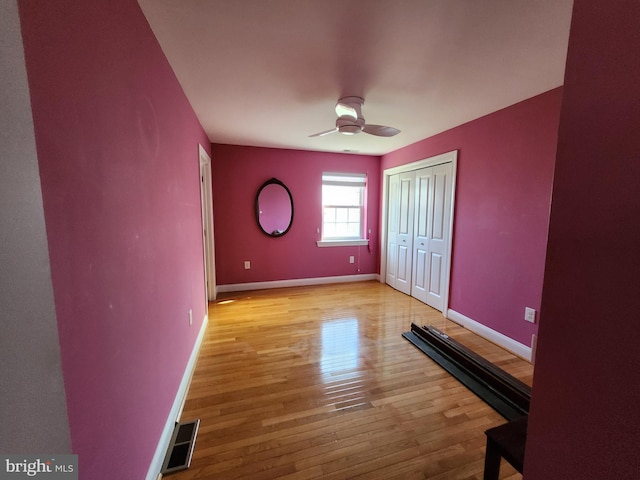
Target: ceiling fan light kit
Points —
{"points": [[350, 120], [349, 126]]}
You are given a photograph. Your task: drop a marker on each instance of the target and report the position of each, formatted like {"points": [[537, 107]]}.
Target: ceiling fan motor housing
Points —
{"points": [[349, 126]]}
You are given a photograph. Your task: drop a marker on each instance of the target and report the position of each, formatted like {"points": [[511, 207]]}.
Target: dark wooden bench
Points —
{"points": [[505, 441]]}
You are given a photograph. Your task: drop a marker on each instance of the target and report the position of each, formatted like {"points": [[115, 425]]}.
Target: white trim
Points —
{"points": [[498, 338], [342, 243], [299, 282], [447, 157], [424, 163], [176, 409], [208, 241]]}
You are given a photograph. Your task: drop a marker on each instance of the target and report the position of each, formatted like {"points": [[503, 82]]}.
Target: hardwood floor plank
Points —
{"points": [[317, 382]]}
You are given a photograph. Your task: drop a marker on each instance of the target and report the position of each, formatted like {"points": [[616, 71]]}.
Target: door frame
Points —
{"points": [[448, 157], [206, 201]]}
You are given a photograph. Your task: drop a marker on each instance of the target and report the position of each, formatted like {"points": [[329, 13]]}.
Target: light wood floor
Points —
{"points": [[317, 382]]}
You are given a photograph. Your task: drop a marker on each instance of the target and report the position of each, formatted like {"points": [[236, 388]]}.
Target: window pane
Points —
{"points": [[341, 230], [353, 230], [341, 196], [342, 215], [329, 214], [329, 230], [351, 196]]}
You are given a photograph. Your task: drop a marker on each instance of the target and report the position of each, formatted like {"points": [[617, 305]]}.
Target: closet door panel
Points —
{"points": [[435, 274], [393, 216], [439, 218], [423, 202], [405, 231]]}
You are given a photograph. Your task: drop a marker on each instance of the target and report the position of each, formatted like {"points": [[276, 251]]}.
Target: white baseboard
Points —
{"points": [[176, 409], [299, 282], [498, 338]]}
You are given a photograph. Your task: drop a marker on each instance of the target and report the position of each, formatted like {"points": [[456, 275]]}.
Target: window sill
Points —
{"points": [[342, 243]]}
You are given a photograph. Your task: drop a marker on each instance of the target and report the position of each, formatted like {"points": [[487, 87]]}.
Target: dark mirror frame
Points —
{"points": [[273, 181]]}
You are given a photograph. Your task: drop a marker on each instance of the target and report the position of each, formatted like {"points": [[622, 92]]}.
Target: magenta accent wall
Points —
{"points": [[505, 171], [584, 422], [238, 172], [117, 147]]}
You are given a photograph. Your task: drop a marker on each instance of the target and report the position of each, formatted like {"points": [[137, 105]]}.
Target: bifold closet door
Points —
{"points": [[400, 231], [433, 189], [423, 202], [393, 216]]}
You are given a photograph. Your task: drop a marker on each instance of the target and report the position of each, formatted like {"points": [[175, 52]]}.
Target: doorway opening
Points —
{"points": [[206, 200]]}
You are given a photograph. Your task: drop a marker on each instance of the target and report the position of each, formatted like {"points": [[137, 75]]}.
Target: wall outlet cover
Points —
{"points": [[530, 315]]}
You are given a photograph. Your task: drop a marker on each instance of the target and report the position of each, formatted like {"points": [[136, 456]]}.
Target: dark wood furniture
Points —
{"points": [[505, 441]]}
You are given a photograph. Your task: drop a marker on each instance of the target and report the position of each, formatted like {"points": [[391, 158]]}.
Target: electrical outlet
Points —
{"points": [[247, 265], [190, 317], [352, 259], [530, 315]]}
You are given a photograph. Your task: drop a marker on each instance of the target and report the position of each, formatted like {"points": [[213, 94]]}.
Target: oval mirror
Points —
{"points": [[274, 208]]}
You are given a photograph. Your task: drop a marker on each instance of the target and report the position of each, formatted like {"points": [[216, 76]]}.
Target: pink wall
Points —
{"points": [[238, 172], [505, 170], [584, 420], [117, 148]]}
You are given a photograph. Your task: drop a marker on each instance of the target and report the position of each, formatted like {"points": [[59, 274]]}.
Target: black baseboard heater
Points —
{"points": [[503, 392]]}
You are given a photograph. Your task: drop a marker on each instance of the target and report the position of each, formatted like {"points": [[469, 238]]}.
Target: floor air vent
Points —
{"points": [[180, 447]]}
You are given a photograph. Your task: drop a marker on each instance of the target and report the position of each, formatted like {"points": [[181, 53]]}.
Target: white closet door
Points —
{"points": [[393, 212], [423, 203], [419, 229], [438, 230], [405, 232]]}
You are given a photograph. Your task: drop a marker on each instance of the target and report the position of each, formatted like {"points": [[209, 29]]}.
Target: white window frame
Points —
{"points": [[347, 180]]}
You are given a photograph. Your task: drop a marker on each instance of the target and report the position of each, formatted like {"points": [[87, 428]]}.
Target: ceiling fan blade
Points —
{"points": [[322, 134], [344, 110], [380, 130]]}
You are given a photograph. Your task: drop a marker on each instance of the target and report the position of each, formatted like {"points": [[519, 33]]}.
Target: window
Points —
{"points": [[343, 205]]}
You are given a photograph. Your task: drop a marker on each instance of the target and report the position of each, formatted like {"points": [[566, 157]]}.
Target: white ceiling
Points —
{"points": [[269, 72]]}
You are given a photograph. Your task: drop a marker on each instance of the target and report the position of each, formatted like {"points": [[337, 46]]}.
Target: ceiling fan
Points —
{"points": [[350, 120]]}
